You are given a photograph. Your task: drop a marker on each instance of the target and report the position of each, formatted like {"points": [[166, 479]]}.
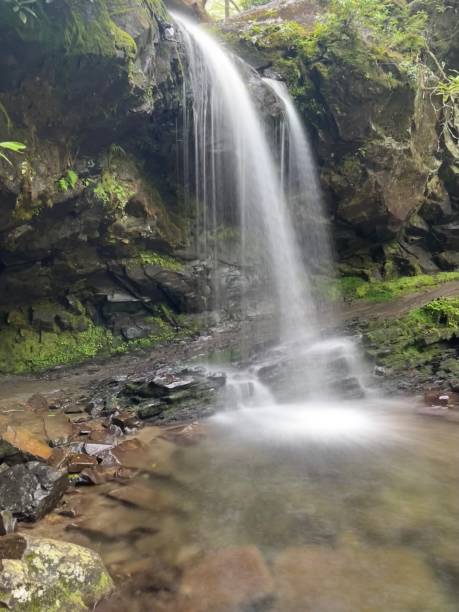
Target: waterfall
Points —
{"points": [[237, 180], [233, 162], [300, 182]]}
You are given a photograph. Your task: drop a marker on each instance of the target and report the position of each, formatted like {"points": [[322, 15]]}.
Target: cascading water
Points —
{"points": [[300, 182], [232, 161], [236, 180]]}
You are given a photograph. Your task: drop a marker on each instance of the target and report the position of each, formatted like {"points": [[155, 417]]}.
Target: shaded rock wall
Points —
{"points": [[89, 214]]}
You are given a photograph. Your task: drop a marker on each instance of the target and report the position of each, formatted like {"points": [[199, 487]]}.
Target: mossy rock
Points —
{"points": [[53, 576]]}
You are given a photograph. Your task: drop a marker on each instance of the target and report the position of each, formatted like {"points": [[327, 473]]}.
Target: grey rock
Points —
{"points": [[31, 490]]}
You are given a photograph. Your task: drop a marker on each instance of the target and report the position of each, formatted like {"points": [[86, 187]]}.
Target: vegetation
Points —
{"points": [[68, 181], [416, 338], [16, 147], [24, 9], [112, 191], [355, 288], [163, 261], [24, 348], [383, 26]]}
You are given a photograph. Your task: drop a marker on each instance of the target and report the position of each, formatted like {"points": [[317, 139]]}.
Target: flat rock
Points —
{"points": [[53, 576], [80, 461], [226, 581], [31, 490]]}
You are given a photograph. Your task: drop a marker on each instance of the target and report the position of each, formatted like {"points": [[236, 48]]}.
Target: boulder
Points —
{"points": [[31, 490], [43, 574]]}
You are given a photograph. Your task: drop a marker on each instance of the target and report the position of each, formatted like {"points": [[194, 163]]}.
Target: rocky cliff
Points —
{"points": [[89, 219], [368, 77], [94, 233]]}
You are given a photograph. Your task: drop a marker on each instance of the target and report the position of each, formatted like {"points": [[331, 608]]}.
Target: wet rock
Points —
{"points": [[350, 579], [95, 449], [151, 409], [144, 496], [12, 546], [38, 402], [231, 579], [433, 411], [101, 474], [58, 429], [31, 490], [126, 421], [53, 576], [7, 522], [17, 443], [79, 462]]}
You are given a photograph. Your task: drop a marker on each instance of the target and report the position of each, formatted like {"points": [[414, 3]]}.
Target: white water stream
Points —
{"points": [[235, 174]]}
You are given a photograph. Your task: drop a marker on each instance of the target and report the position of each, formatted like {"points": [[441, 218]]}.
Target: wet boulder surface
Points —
{"points": [[30, 490], [45, 574]]}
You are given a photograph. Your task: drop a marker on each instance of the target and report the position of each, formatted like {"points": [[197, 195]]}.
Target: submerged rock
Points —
{"points": [[43, 574], [31, 490], [226, 580], [376, 579]]}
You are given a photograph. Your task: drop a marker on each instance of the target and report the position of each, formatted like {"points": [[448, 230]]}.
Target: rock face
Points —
{"points": [[89, 221], [53, 576], [388, 168]]}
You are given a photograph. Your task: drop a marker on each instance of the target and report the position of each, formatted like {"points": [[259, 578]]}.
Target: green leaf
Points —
{"points": [[3, 156], [17, 147]]}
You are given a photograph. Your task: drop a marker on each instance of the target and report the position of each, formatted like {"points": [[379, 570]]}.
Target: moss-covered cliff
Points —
{"points": [[89, 221], [368, 77]]}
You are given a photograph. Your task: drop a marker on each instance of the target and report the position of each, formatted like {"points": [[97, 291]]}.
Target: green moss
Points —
{"points": [[157, 259], [416, 338], [25, 349], [355, 288], [112, 191]]}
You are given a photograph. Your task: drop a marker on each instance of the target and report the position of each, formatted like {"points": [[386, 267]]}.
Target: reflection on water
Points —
{"points": [[351, 509]]}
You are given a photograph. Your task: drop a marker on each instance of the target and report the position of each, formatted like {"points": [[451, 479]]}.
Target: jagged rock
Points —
{"points": [[44, 574], [31, 490]]}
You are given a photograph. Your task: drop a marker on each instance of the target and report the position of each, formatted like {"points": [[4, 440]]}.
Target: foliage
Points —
{"points": [[354, 288], [415, 338], [113, 192], [24, 9], [68, 181], [163, 261], [448, 89], [17, 147], [381, 26]]}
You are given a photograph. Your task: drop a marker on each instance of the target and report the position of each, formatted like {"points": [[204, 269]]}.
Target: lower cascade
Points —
{"points": [[240, 176]]}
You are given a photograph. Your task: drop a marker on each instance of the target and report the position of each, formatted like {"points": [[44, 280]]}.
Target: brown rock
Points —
{"points": [[79, 461], [22, 442], [226, 581], [58, 429]]}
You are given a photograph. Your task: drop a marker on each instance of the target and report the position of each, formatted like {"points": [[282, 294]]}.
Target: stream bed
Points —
{"points": [[342, 508]]}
